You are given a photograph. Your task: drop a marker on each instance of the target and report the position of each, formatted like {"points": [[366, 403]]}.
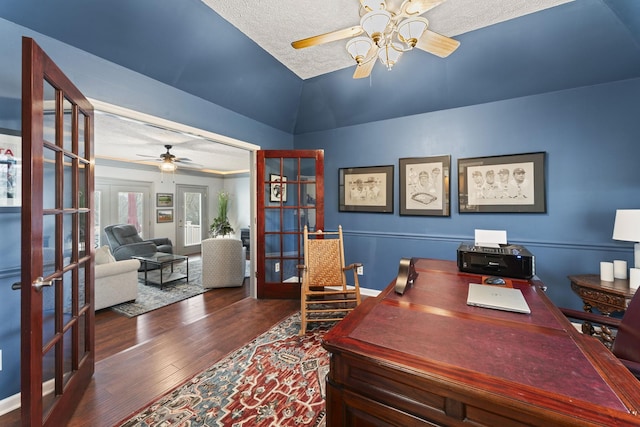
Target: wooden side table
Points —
{"points": [[607, 297]]}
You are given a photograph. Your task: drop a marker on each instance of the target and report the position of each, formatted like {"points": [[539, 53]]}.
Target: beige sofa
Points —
{"points": [[223, 262], [115, 281]]}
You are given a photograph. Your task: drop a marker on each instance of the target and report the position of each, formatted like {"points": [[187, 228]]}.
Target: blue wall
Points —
{"points": [[590, 137]]}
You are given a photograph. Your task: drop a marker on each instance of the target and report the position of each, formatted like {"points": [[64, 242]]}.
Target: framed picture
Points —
{"points": [[278, 188], [511, 183], [424, 186], [10, 168], [164, 200], [164, 215], [366, 189]]}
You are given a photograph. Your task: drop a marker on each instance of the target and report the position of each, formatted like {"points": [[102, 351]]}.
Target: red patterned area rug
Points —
{"points": [[278, 379]]}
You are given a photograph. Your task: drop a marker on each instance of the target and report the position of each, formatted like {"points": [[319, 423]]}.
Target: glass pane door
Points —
{"points": [[290, 197]]}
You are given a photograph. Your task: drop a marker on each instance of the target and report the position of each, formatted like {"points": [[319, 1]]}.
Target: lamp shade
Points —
{"points": [[358, 48], [375, 24], [390, 54], [627, 225], [410, 30]]}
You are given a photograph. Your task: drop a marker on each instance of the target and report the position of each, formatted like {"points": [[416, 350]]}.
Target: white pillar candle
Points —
{"points": [[606, 271], [620, 269], [634, 278]]}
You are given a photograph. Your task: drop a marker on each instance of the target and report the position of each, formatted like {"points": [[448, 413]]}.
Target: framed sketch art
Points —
{"points": [[511, 183], [424, 186], [366, 189], [278, 188]]}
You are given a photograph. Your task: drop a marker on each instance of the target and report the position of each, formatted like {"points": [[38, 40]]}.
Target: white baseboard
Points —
{"points": [[9, 404], [12, 403]]}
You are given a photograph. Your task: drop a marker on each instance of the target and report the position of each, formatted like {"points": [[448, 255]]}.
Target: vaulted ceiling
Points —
{"points": [[186, 44]]}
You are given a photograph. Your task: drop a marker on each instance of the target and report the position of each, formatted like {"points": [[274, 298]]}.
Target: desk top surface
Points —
{"points": [[432, 330]]}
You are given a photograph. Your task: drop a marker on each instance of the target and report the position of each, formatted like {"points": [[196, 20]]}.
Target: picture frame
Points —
{"points": [[164, 200], [277, 188], [164, 215], [10, 169], [425, 186], [366, 189], [512, 183]]}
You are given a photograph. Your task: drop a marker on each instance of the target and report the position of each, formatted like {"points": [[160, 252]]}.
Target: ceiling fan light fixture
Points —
{"points": [[390, 54], [410, 30], [375, 24], [358, 48], [371, 5], [168, 165]]}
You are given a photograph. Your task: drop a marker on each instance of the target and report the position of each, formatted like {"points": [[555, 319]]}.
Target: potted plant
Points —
{"points": [[221, 225]]}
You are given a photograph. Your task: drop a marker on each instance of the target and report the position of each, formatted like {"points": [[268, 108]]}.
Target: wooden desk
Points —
{"points": [[426, 358], [607, 297]]}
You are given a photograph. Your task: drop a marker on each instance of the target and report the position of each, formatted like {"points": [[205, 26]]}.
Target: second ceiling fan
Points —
{"points": [[389, 33]]}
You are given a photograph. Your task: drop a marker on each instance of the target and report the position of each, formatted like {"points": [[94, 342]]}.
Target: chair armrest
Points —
{"points": [[159, 241], [634, 367], [591, 317], [353, 266], [140, 248]]}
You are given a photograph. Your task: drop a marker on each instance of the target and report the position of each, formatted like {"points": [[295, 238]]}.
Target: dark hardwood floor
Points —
{"points": [[140, 359]]}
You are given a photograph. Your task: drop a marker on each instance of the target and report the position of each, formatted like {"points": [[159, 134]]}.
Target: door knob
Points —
{"points": [[40, 283]]}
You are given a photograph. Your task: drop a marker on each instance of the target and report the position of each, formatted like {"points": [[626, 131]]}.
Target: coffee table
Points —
{"points": [[160, 261]]}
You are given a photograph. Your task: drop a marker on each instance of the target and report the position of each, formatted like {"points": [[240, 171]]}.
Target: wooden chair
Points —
{"points": [[625, 344], [325, 295]]}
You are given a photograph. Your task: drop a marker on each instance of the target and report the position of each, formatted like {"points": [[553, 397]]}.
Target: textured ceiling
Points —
{"points": [[275, 24]]}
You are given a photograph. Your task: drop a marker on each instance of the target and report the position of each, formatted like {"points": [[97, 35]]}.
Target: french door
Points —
{"points": [[191, 218], [57, 320], [290, 190]]}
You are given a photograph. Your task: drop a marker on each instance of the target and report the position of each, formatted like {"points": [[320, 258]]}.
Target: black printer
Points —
{"points": [[507, 260]]}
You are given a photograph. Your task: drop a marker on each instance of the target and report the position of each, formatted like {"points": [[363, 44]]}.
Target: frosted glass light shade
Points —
{"points": [[168, 166], [390, 54], [359, 47], [411, 29], [375, 23]]}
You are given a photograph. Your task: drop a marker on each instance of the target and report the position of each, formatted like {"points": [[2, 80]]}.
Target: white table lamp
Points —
{"points": [[627, 228]]}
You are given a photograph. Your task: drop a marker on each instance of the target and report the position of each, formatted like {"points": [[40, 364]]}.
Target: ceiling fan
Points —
{"points": [[389, 33], [169, 160]]}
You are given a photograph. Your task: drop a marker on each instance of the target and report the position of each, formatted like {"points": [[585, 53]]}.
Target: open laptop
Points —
{"points": [[498, 298]]}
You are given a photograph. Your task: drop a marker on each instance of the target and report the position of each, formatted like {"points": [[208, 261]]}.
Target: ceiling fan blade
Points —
{"points": [[437, 44], [328, 37], [364, 68], [418, 7]]}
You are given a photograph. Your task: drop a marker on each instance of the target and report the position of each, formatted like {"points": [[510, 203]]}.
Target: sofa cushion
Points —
{"points": [[103, 255]]}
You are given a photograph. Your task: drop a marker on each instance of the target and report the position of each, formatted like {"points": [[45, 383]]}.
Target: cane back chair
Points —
{"points": [[325, 295]]}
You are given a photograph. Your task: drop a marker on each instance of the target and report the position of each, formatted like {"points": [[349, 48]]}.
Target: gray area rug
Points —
{"points": [[151, 297]]}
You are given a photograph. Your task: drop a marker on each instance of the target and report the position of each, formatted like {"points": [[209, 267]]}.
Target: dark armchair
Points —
{"points": [[125, 242], [625, 344]]}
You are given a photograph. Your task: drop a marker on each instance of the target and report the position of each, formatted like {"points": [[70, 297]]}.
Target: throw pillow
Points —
{"points": [[103, 255]]}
